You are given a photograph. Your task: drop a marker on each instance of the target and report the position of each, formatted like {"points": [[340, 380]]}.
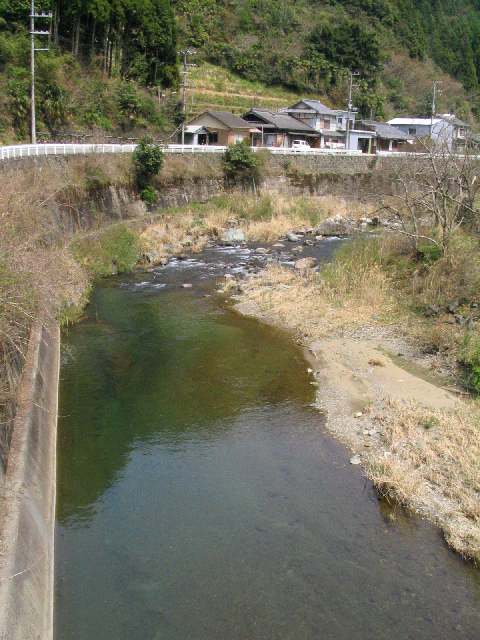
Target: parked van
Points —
{"points": [[300, 145]]}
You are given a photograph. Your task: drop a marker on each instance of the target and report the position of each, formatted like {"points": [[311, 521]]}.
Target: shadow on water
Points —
{"points": [[199, 497]]}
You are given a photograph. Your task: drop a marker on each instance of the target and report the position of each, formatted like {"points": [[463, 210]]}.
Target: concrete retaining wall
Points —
{"points": [[27, 531]]}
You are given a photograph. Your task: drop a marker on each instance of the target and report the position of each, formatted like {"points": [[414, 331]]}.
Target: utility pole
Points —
{"points": [[185, 73], [435, 93], [351, 87], [42, 15]]}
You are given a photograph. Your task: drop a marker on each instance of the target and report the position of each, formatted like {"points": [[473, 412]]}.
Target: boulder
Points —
{"points": [[233, 235], [292, 237], [305, 263], [336, 226]]}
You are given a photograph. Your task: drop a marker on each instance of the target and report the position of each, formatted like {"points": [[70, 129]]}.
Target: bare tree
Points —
{"points": [[435, 194]]}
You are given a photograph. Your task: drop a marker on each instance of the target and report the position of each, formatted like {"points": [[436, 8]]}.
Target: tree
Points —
{"points": [[147, 162], [437, 194], [349, 44], [241, 164]]}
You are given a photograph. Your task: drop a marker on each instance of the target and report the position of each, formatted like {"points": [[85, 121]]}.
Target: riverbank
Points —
{"points": [[397, 408]]}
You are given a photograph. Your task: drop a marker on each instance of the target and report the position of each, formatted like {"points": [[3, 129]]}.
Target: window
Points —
{"points": [[238, 137], [412, 131], [213, 138]]}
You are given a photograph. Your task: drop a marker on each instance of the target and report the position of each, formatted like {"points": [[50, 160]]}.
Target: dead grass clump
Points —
{"points": [[434, 463], [455, 276], [315, 306]]}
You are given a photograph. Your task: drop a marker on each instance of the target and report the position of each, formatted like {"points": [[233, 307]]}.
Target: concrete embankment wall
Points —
{"points": [[27, 532]]}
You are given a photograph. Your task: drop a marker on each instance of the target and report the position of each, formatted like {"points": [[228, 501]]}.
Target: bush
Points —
{"points": [[241, 165], [114, 251], [147, 160], [148, 195], [429, 253], [469, 358]]}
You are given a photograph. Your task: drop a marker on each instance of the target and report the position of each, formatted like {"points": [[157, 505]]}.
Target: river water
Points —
{"points": [[199, 497]]}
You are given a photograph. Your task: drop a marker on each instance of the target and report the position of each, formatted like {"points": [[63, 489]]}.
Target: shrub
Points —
{"points": [[148, 195], [241, 164], [429, 253], [114, 251], [147, 160], [469, 358]]}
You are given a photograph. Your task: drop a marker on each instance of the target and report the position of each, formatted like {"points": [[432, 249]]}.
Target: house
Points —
{"points": [[387, 137], [217, 128], [444, 129], [277, 129], [329, 123], [332, 125]]}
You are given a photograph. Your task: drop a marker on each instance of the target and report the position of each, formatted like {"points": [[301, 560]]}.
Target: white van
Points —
{"points": [[300, 145]]}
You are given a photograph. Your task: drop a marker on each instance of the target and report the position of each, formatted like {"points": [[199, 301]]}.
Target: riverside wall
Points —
{"points": [[28, 510]]}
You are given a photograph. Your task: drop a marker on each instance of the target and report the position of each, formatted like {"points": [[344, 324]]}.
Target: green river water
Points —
{"points": [[200, 498]]}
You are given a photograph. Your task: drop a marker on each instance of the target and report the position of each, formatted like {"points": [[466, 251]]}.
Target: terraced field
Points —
{"points": [[213, 87]]}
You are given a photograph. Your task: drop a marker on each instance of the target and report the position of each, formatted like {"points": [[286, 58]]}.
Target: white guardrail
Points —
{"points": [[58, 149]]}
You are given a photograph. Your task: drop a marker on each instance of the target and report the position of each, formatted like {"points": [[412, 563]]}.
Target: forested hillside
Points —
{"points": [[307, 44], [113, 63]]}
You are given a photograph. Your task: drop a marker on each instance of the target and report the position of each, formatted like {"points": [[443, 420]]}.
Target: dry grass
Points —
{"points": [[344, 296], [434, 464], [263, 219], [38, 275]]}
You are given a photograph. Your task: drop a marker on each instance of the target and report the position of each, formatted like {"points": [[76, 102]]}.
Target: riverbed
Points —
{"points": [[201, 498]]}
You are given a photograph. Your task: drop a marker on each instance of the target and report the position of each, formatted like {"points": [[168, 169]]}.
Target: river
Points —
{"points": [[200, 497]]}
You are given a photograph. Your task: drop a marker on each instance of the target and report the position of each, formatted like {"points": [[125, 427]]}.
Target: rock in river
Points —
{"points": [[233, 235], [292, 237], [305, 263]]}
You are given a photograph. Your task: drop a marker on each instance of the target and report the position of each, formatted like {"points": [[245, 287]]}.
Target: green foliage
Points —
{"points": [[348, 44], [429, 253], [116, 250], [470, 359], [147, 161], [241, 164], [18, 96], [149, 195]]}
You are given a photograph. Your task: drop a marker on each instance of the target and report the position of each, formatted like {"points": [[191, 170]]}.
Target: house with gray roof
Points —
{"points": [[279, 129], [387, 137], [332, 125], [218, 128], [444, 129]]}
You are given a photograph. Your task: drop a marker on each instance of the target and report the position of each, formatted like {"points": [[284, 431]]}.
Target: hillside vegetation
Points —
{"points": [[112, 66], [398, 47]]}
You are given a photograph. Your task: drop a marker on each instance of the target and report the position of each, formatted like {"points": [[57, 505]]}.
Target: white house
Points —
{"points": [[442, 129]]}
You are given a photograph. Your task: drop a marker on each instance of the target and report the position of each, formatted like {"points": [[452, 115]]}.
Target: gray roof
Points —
{"points": [[280, 120], [230, 120], [453, 120], [316, 106], [386, 131]]}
